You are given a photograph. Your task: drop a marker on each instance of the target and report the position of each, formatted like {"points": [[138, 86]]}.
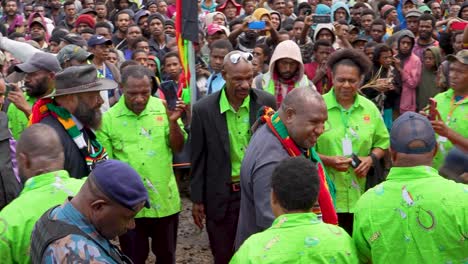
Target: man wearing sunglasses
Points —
{"points": [[220, 134]]}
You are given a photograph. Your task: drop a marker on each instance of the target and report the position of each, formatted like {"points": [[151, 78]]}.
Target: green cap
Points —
{"points": [[462, 57], [71, 52]]}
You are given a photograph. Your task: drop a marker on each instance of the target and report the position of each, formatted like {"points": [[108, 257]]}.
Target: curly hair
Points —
{"points": [[350, 57]]}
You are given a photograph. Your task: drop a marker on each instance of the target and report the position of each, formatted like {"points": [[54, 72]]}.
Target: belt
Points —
{"points": [[235, 186]]}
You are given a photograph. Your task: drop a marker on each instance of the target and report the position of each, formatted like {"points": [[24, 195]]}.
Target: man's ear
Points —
{"points": [[290, 114], [98, 205], [23, 160], [436, 149], [224, 73]]}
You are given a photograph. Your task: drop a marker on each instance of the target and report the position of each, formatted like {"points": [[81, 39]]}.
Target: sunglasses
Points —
{"points": [[235, 58]]}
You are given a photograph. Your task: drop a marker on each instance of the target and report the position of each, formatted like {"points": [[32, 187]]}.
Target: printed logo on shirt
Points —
{"points": [[367, 118], [159, 119]]}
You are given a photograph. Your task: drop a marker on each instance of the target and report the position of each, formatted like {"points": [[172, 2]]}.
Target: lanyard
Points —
{"points": [[345, 119], [453, 106]]}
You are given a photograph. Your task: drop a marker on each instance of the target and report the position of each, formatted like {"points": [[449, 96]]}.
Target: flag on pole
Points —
{"points": [[186, 26]]}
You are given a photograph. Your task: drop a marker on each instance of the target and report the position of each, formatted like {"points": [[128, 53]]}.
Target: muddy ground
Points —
{"points": [[192, 245]]}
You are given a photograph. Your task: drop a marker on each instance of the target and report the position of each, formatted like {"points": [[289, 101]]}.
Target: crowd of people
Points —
{"points": [[318, 131]]}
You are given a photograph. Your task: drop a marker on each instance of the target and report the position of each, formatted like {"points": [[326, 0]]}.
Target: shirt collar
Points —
{"points": [[123, 110], [331, 101], [416, 172], [55, 177], [295, 219], [225, 106]]}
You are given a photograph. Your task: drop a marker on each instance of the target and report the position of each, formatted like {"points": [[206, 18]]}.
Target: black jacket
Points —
{"points": [[9, 185], [75, 162], [211, 162]]}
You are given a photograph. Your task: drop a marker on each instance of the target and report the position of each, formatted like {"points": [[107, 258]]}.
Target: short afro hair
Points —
{"points": [[350, 57], [295, 184]]}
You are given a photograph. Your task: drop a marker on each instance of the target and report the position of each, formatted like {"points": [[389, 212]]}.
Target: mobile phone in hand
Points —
{"points": [[355, 161], [257, 25], [432, 109], [8, 89], [169, 89]]}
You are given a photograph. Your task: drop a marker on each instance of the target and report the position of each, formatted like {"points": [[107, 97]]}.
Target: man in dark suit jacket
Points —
{"points": [[220, 133]]}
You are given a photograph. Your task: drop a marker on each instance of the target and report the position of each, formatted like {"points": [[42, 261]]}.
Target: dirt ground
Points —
{"points": [[192, 245]]}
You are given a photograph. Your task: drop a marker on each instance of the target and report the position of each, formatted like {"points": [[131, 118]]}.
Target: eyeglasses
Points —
{"points": [[235, 58]]}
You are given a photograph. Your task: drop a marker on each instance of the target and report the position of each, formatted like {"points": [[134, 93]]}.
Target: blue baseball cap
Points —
{"points": [[411, 127], [120, 182], [98, 40]]}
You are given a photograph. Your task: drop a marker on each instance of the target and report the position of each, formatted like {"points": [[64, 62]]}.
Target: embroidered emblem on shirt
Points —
{"points": [[367, 118], [271, 243], [311, 241], [426, 219], [375, 236], [407, 196]]}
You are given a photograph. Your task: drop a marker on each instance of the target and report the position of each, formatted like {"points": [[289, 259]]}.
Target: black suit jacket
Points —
{"points": [[211, 162], [75, 162]]}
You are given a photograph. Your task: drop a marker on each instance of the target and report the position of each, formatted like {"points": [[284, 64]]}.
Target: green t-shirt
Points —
{"points": [[458, 121], [143, 142], [298, 238], [415, 216], [364, 126], [17, 120], [238, 124], [18, 218]]}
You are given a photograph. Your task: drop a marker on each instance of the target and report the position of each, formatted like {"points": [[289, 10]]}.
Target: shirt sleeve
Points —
{"points": [[5, 249], [74, 249], [261, 178], [103, 136], [359, 237], [381, 137]]}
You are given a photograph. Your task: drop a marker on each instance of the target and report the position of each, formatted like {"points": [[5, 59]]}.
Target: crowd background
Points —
{"points": [[116, 80]]}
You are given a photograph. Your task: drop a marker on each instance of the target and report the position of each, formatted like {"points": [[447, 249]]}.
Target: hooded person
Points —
{"points": [[279, 21], [286, 72], [259, 13], [322, 10], [338, 10], [432, 58], [211, 18], [327, 32], [409, 66], [35, 33], [230, 14]]}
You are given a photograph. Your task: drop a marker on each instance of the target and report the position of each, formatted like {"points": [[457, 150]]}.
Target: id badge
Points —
{"points": [[442, 139], [347, 146]]}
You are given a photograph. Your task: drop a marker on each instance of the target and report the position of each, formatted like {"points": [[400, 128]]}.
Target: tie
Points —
{"points": [[210, 87]]}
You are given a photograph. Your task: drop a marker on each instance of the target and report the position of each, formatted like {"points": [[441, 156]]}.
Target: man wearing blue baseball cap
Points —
{"points": [[415, 211], [80, 230]]}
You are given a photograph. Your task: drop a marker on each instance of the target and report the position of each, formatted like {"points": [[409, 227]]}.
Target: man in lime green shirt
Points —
{"points": [[39, 81], [296, 235], [40, 159], [452, 106], [415, 216], [142, 132]]}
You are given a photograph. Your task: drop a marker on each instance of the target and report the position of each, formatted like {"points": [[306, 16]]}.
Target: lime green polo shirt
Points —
{"points": [[18, 218], [142, 141], [458, 122], [364, 126], [238, 124], [415, 216], [298, 238], [17, 120]]}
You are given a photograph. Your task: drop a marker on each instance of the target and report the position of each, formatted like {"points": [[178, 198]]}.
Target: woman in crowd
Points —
{"points": [[357, 138]]}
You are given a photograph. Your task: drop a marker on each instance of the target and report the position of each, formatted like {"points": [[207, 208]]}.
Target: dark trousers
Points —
{"points": [[163, 234], [346, 221], [222, 233]]}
